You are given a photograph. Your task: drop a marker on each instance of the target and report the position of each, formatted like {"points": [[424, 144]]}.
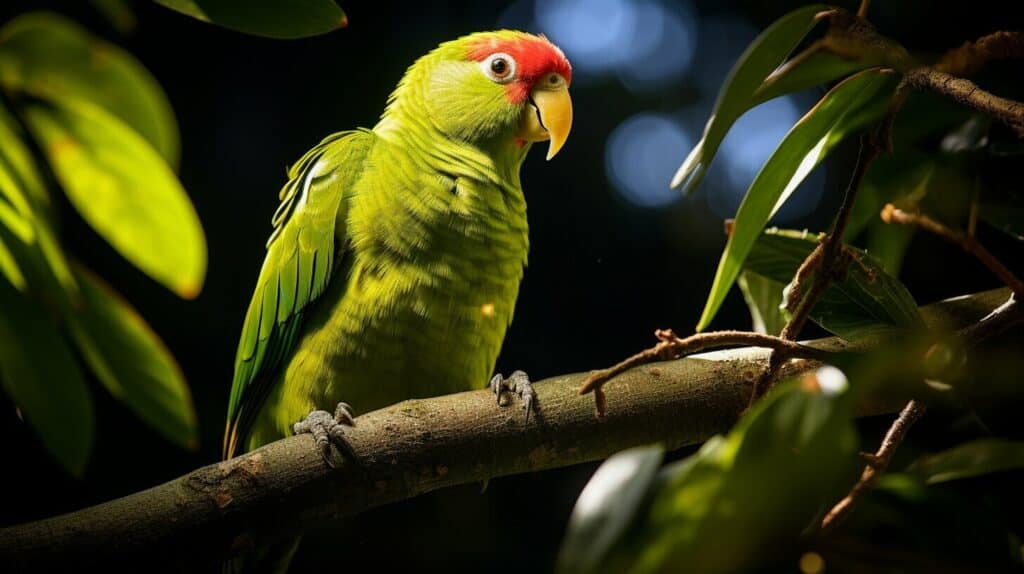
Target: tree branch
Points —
{"points": [[409, 449]]}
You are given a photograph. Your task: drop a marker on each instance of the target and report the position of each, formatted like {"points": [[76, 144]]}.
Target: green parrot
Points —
{"points": [[396, 255]]}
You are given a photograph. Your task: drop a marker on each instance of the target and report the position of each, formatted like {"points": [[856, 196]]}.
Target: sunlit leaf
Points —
{"points": [[124, 190], [52, 57], [843, 110], [969, 460], [9, 265], [764, 299], [131, 361], [32, 251], [38, 371], [271, 18], [607, 507], [761, 57], [867, 301]]}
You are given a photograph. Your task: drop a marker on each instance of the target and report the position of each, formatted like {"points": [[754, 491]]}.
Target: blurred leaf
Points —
{"points": [[118, 12], [54, 58], [131, 361], [760, 59], [866, 302], [846, 108], [969, 460], [745, 500], [817, 69], [764, 299], [38, 371], [971, 135], [30, 242], [8, 264], [22, 183], [607, 506], [124, 190], [283, 19]]}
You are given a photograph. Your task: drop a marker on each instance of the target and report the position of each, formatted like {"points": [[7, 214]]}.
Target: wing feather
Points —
{"points": [[296, 271]]}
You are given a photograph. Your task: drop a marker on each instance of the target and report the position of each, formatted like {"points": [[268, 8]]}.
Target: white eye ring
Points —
{"points": [[499, 67]]}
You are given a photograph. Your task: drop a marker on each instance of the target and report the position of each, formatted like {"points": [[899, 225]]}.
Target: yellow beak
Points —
{"points": [[549, 117]]}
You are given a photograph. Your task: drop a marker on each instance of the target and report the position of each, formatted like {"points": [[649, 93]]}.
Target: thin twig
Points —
{"points": [[892, 214], [878, 464], [824, 262], [671, 346]]}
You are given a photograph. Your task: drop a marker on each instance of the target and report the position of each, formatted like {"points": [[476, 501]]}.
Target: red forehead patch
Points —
{"points": [[535, 57]]}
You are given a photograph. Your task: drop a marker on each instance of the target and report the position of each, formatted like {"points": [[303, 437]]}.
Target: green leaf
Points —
{"points": [[748, 497], [51, 57], [283, 19], [764, 299], [22, 184], [887, 244], [843, 110], [904, 174], [124, 190], [761, 57], [131, 361], [818, 68], [607, 506], [38, 371], [969, 460], [868, 301]]}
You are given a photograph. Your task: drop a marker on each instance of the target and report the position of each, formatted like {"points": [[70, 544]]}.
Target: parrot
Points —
{"points": [[394, 262]]}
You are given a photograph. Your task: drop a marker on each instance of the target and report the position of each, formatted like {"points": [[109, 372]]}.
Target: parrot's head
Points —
{"points": [[492, 88]]}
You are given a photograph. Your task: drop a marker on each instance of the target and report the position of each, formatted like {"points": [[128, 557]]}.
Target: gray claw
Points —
{"points": [[327, 429], [518, 383]]}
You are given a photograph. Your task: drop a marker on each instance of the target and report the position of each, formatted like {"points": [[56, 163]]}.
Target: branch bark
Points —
{"points": [[408, 449]]}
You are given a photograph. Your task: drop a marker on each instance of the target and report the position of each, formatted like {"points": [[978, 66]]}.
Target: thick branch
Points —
{"points": [[406, 450], [968, 93]]}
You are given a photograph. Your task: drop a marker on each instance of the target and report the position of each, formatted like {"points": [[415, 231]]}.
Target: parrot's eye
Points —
{"points": [[499, 67]]}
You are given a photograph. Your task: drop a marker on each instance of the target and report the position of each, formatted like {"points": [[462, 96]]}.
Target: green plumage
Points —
{"points": [[395, 260]]}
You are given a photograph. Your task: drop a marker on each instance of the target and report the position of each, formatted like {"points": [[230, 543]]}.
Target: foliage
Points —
{"points": [[757, 498]]}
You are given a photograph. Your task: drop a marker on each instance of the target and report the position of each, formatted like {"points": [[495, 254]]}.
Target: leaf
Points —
{"points": [[118, 13], [124, 190], [847, 107], [868, 301], [745, 498], [282, 19], [969, 460], [816, 69], [761, 57], [764, 299], [887, 244], [607, 506], [54, 58], [38, 371], [131, 361]]}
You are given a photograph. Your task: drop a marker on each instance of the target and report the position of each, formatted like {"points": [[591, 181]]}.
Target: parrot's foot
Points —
{"points": [[327, 429], [517, 383]]}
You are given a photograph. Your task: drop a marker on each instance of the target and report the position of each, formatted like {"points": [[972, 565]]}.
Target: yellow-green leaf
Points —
{"points": [[39, 372], [131, 361], [763, 56], [272, 18], [124, 190], [52, 57], [847, 107], [969, 460]]}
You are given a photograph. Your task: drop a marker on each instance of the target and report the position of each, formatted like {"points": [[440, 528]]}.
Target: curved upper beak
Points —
{"points": [[549, 118]]}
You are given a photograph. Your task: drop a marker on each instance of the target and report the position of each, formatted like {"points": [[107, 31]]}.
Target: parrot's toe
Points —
{"points": [[328, 429], [518, 383]]}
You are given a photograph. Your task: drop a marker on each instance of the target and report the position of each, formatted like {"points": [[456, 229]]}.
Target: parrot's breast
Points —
{"points": [[424, 294]]}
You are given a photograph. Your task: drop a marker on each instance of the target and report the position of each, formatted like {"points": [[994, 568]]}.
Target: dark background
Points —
{"points": [[603, 271]]}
